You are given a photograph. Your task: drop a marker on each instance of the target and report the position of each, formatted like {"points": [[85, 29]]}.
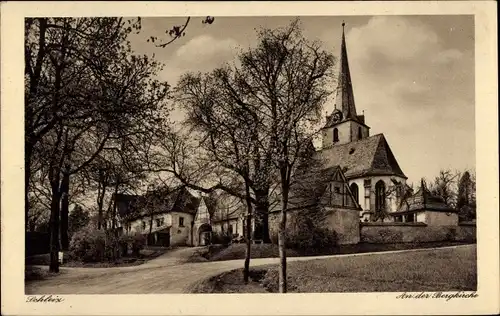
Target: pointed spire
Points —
{"points": [[344, 100]]}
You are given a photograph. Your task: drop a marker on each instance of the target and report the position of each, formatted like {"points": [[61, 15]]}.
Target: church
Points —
{"points": [[373, 174]]}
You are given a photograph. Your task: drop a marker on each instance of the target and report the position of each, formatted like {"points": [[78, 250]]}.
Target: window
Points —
{"points": [[337, 190], [355, 192], [410, 218], [181, 221], [159, 222], [398, 219], [230, 229], [360, 134], [335, 135], [380, 196]]}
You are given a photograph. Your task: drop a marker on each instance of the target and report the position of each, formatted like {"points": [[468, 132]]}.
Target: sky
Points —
{"points": [[413, 76]]}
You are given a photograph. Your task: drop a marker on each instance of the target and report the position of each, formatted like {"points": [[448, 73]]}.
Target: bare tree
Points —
{"points": [[257, 119], [444, 186], [286, 76]]}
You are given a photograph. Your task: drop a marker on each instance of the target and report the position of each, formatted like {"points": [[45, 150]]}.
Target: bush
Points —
{"points": [[88, 245], [451, 234], [92, 245], [138, 241], [222, 238], [312, 239]]}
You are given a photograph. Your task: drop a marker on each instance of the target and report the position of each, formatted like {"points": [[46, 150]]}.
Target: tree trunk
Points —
{"points": [[65, 212], [246, 270], [100, 198], [27, 176], [262, 209], [54, 230], [282, 240]]}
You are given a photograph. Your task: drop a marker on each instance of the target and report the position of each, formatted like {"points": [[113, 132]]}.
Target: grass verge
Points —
{"points": [[448, 269]]}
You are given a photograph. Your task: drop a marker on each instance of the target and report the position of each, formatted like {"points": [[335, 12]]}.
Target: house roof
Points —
{"points": [[364, 157], [423, 199], [163, 200]]}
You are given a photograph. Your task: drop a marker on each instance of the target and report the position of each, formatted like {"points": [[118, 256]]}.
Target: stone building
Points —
{"points": [[424, 207], [372, 171]]}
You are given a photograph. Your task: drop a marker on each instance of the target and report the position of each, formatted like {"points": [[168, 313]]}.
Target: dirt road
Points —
{"points": [[165, 274]]}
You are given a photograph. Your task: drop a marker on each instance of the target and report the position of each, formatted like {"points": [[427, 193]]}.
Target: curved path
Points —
{"points": [[165, 274]]}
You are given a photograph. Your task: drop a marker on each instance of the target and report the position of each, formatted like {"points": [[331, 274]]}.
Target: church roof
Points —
{"points": [[364, 157], [344, 97]]}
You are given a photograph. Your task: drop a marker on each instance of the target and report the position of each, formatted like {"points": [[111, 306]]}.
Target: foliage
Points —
{"points": [[136, 242], [78, 219], [306, 232], [466, 197], [85, 90], [223, 238], [88, 245]]}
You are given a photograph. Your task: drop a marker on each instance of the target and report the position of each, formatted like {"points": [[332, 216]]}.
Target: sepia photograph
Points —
{"points": [[250, 154]]}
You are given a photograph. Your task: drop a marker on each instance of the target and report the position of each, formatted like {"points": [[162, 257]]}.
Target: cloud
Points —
{"points": [[396, 38], [416, 90], [206, 52]]}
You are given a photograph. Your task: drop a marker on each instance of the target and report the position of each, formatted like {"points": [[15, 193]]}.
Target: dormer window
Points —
{"points": [[335, 135]]}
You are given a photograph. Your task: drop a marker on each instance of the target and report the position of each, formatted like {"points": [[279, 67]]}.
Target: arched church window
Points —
{"points": [[335, 135], [355, 192], [360, 134], [380, 196]]}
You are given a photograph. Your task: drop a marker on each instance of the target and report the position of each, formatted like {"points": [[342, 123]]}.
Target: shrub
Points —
{"points": [[311, 239], [92, 245], [221, 238], [88, 245], [451, 234], [138, 241]]}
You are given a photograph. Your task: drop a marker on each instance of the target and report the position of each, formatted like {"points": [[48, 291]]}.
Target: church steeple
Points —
{"points": [[344, 125], [344, 99]]}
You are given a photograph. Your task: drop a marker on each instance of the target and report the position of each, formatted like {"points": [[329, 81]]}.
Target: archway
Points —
{"points": [[204, 235]]}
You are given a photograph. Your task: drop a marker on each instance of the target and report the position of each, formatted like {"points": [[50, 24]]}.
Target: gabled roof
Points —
{"points": [[364, 157], [163, 200], [309, 187], [423, 199]]}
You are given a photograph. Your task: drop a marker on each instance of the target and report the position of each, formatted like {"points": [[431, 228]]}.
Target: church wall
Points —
{"points": [[354, 131], [345, 222], [441, 218], [344, 134], [368, 203], [414, 232]]}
